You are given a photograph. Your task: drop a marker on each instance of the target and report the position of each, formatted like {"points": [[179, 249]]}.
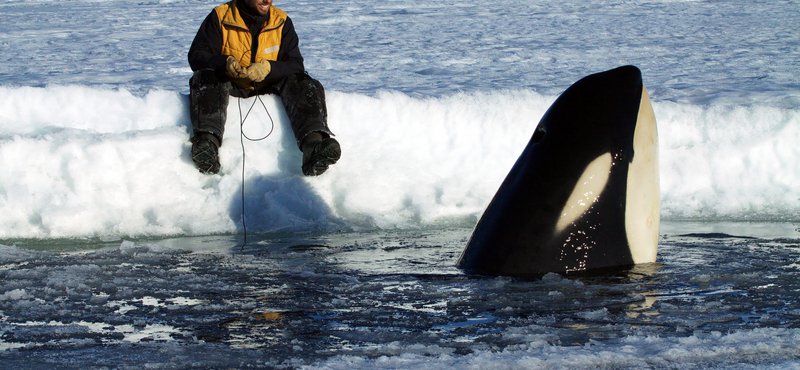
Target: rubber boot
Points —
{"points": [[205, 153], [319, 152]]}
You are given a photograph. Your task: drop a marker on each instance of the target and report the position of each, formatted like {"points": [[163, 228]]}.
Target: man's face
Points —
{"points": [[260, 6]]}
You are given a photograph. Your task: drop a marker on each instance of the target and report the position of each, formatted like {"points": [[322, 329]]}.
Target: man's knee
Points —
{"points": [[300, 82], [305, 77], [205, 77]]}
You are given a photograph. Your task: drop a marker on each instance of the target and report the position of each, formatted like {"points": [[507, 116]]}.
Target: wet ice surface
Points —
{"points": [[393, 299]]}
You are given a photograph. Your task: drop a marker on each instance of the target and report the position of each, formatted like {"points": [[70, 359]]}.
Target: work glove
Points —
{"points": [[257, 72], [233, 69]]}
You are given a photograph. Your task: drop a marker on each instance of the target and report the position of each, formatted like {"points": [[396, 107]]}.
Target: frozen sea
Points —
{"points": [[115, 252]]}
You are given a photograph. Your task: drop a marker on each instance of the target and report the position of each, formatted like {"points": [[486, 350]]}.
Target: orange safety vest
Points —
{"points": [[237, 40]]}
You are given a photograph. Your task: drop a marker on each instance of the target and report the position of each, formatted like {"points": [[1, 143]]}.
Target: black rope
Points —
{"points": [[244, 136]]}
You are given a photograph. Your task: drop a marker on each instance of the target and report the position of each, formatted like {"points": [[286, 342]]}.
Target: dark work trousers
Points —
{"points": [[302, 96]]}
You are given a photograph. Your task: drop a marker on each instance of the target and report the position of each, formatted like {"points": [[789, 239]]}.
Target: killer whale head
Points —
{"points": [[584, 194]]}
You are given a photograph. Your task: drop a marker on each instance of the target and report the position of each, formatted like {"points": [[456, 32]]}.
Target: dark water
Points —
{"points": [[394, 298]]}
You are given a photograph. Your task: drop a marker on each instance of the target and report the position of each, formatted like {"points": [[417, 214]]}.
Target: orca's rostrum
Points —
{"points": [[584, 194]]}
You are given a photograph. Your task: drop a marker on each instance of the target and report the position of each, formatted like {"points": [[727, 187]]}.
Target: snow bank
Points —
{"points": [[91, 162]]}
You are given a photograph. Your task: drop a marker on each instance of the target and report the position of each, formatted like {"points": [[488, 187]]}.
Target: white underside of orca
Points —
{"points": [[643, 200]]}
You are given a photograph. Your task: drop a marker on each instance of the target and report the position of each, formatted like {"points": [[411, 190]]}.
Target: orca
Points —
{"points": [[584, 194]]}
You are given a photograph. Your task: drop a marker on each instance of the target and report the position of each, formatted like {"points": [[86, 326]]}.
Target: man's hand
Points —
{"points": [[233, 69], [257, 72]]}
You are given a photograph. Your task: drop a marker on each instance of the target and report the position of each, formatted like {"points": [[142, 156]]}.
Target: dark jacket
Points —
{"points": [[206, 48]]}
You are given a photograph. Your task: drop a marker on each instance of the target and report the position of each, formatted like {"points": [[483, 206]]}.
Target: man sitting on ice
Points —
{"points": [[245, 48]]}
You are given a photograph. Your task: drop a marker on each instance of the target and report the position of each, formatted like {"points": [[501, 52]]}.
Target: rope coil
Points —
{"points": [[242, 138]]}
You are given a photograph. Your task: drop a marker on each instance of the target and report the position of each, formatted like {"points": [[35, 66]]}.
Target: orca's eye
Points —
{"points": [[538, 135]]}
